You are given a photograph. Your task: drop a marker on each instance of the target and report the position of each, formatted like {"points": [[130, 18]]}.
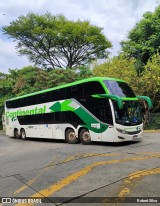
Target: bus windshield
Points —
{"points": [[122, 89], [129, 115]]}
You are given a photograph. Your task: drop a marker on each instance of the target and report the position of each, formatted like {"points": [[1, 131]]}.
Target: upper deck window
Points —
{"points": [[122, 89], [94, 87]]}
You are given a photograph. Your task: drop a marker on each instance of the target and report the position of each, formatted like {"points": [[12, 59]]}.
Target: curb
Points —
{"points": [[152, 131]]}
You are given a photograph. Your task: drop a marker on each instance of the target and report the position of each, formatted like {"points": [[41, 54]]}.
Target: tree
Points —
{"points": [[144, 39], [56, 42], [62, 76], [25, 80], [149, 83], [118, 67], [5, 91]]}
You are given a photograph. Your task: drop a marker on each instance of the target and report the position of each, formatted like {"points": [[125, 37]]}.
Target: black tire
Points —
{"points": [[71, 137], [23, 134], [85, 137], [16, 134]]}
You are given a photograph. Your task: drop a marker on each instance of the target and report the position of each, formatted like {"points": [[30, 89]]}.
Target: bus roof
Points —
{"points": [[100, 79]]}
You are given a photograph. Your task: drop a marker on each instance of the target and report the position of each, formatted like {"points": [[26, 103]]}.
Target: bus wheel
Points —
{"points": [[16, 134], [85, 137], [23, 134], [71, 137]]}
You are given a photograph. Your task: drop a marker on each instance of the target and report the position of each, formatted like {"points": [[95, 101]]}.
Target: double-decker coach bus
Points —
{"points": [[93, 109]]}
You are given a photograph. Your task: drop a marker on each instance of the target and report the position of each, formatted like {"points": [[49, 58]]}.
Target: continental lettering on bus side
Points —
{"points": [[36, 110]]}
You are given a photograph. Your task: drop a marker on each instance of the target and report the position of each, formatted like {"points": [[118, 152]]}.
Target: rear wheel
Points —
{"points": [[71, 137], [85, 137], [16, 134], [23, 134]]}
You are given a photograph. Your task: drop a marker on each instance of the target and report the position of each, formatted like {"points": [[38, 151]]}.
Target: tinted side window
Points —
{"points": [[47, 118], [104, 114], [37, 118], [44, 97], [74, 91], [51, 118], [58, 117], [32, 100], [14, 103], [75, 120], [71, 92], [26, 120], [21, 102], [58, 94], [71, 118], [93, 88], [66, 117], [90, 102], [99, 107], [9, 104]]}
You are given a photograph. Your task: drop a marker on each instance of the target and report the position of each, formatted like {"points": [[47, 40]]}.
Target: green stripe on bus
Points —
{"points": [[81, 113]]}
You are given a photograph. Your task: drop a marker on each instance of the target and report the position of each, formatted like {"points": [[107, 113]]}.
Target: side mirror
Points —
{"points": [[113, 97], [147, 99]]}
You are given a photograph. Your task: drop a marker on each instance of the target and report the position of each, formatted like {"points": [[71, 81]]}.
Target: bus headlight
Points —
{"points": [[121, 131]]}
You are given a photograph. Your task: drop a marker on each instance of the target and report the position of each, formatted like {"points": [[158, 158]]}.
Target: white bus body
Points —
{"points": [[96, 109]]}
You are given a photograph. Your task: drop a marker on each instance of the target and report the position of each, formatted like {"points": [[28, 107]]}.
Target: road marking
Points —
{"points": [[148, 153], [73, 177], [29, 183], [98, 155], [87, 155], [132, 181], [68, 159]]}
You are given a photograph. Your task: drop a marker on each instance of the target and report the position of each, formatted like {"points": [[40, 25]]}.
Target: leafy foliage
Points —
{"points": [[5, 91], [144, 39], [150, 81], [55, 42], [117, 67]]}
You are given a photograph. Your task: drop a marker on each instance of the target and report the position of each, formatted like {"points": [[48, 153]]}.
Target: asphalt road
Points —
{"points": [[79, 174]]}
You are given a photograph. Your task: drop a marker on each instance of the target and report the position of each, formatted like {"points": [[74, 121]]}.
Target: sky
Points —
{"points": [[116, 17]]}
